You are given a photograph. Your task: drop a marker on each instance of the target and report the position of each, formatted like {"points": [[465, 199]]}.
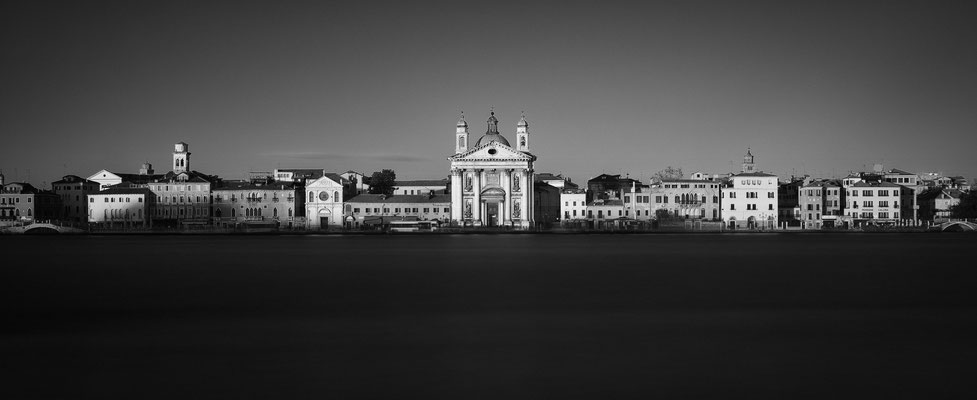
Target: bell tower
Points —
{"points": [[461, 135], [748, 165], [181, 157], [522, 134]]}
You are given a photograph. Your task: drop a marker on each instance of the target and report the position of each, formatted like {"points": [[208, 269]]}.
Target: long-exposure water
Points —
{"points": [[490, 316]]}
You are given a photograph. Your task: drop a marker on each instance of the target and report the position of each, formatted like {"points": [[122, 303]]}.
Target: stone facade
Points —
{"points": [[492, 182]]}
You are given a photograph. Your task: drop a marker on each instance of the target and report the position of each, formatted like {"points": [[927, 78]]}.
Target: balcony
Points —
{"points": [[253, 199]]}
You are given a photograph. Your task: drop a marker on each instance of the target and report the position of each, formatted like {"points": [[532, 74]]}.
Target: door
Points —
{"points": [[492, 211], [323, 223]]}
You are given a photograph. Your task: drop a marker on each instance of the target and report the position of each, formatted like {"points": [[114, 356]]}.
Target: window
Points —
{"points": [[866, 204], [732, 206], [866, 193], [770, 195], [769, 206]]}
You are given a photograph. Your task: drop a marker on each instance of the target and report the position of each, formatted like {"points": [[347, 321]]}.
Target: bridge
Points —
{"points": [[40, 228], [957, 226]]}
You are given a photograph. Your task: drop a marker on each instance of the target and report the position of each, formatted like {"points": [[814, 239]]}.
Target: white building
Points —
{"points": [[422, 187], [573, 204], [120, 206], [378, 209], [324, 202], [751, 200], [73, 191], [873, 202], [491, 180]]}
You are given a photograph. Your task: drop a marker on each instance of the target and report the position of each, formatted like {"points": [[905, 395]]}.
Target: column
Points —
{"points": [[457, 207], [525, 212], [506, 209], [477, 197]]}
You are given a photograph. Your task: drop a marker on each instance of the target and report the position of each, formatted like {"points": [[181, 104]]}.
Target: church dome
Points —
{"points": [[493, 137], [461, 122], [492, 133], [522, 121]]}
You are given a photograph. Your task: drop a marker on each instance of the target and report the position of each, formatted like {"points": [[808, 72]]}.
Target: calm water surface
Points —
{"points": [[543, 316]]}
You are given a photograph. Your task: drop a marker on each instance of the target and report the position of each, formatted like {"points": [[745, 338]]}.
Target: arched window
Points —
{"points": [[311, 196], [290, 213], [335, 196], [233, 213], [275, 213]]}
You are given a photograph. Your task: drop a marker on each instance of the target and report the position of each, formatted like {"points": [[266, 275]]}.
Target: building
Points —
{"points": [[324, 202], [376, 210], [573, 205], [788, 211], [183, 196], [120, 207], [298, 176], [812, 203], [492, 182], [685, 199], [258, 202], [638, 202], [436, 186], [546, 204], [606, 214], [556, 180], [912, 187], [937, 203], [22, 202], [607, 187], [873, 202], [357, 182], [106, 178], [750, 202], [73, 191]]}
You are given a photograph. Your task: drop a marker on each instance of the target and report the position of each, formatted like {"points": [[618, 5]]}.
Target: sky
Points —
{"points": [[810, 88]]}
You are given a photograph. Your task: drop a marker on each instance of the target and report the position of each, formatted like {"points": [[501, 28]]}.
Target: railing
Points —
{"points": [[253, 199]]}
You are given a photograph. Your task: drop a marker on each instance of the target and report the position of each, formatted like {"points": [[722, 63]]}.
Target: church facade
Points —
{"points": [[492, 180]]}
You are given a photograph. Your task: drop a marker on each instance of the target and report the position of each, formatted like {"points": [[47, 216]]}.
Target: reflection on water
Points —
{"points": [[489, 316]]}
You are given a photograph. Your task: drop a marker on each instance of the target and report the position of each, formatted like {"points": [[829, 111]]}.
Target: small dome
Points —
{"points": [[461, 122], [491, 137], [522, 121]]}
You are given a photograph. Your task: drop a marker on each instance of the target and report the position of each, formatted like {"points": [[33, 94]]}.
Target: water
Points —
{"points": [[489, 316]]}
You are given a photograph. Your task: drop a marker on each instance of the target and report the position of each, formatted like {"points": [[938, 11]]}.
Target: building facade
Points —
{"points": [[492, 182], [750, 202], [324, 202], [686, 199], [873, 202], [265, 202], [573, 205], [73, 191], [120, 207], [423, 187], [22, 202], [376, 209]]}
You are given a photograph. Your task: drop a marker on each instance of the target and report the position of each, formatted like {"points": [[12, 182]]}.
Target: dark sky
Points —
{"points": [[811, 88]]}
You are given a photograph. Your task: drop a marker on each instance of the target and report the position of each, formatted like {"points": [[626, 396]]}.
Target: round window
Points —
{"points": [[323, 196], [492, 151]]}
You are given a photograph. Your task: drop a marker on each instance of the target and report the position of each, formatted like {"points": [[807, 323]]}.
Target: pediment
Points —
{"points": [[493, 151], [323, 182]]}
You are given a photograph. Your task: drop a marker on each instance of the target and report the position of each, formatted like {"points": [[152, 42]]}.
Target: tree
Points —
{"points": [[967, 207], [668, 173], [383, 182]]}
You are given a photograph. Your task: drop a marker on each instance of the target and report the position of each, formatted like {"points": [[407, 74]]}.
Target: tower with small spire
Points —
{"points": [[522, 134], [181, 158], [748, 165], [461, 135]]}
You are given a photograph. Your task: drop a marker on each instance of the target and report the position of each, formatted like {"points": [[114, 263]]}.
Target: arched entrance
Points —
{"points": [[751, 223], [732, 223], [324, 215], [493, 201]]}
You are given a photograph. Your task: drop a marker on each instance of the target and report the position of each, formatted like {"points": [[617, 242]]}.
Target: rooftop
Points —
{"points": [[399, 199]]}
